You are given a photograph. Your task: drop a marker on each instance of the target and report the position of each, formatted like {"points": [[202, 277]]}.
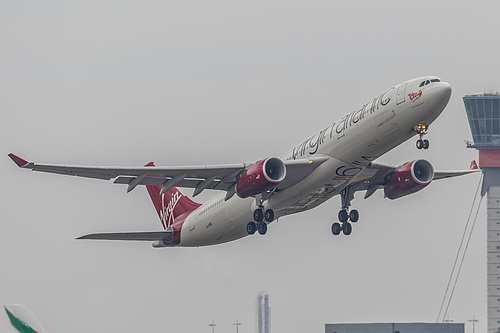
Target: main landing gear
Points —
{"points": [[260, 217], [421, 130], [345, 216]]}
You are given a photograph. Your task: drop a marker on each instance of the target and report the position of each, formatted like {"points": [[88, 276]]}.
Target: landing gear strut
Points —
{"points": [[346, 195], [421, 130]]}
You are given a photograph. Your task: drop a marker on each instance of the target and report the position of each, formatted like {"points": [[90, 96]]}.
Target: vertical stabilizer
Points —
{"points": [[22, 319]]}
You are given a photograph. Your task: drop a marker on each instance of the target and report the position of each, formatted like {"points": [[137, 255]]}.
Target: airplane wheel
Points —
{"points": [[347, 229], [426, 144], [420, 144], [258, 216], [354, 215], [262, 228], [343, 216], [269, 215], [336, 228], [251, 228]]}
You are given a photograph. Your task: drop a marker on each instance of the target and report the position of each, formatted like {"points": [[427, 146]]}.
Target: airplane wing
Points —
{"points": [[132, 236], [376, 175], [442, 174], [214, 177]]}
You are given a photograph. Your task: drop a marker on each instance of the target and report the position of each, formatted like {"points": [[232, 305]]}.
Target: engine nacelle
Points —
{"points": [[409, 178], [261, 177]]}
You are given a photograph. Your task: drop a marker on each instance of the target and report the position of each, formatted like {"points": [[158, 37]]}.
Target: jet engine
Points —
{"points": [[409, 178], [262, 176]]}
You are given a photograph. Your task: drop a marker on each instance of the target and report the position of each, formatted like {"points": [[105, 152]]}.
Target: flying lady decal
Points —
{"points": [[414, 96], [167, 210]]}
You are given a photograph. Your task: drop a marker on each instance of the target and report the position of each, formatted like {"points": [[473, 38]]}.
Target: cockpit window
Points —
{"points": [[424, 83]]}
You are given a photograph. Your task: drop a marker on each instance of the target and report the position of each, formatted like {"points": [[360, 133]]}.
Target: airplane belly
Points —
{"points": [[325, 182]]}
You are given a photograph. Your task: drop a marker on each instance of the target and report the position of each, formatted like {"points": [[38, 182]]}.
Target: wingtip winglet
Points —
{"points": [[18, 160]]}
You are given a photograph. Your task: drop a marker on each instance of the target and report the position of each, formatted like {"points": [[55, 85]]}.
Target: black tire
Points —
{"points": [[426, 144], [258, 215], [347, 229], [343, 216], [251, 228], [262, 229], [420, 144], [354, 216], [269, 215], [336, 228]]}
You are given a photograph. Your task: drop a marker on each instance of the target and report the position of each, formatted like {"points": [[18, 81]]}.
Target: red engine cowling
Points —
{"points": [[409, 178], [263, 176]]}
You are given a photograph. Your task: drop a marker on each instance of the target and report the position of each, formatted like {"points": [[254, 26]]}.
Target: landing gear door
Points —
{"points": [[401, 97]]}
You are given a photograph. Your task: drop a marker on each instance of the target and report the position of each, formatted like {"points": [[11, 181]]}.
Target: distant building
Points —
{"points": [[263, 314], [396, 328]]}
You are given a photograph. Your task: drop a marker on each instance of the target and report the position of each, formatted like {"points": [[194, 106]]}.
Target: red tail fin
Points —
{"points": [[172, 206]]}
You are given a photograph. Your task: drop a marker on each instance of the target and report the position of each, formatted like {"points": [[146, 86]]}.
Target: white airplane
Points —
{"points": [[338, 160], [22, 319]]}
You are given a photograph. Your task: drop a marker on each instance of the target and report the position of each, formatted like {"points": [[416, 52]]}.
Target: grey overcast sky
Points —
{"points": [[209, 82]]}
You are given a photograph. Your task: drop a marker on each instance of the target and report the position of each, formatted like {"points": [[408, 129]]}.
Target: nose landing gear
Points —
{"points": [[421, 130]]}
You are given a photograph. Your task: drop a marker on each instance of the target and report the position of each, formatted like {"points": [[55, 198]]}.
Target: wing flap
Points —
{"points": [[216, 184]]}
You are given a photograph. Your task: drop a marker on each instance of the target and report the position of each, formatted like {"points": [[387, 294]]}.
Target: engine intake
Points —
{"points": [[409, 178], [261, 177]]}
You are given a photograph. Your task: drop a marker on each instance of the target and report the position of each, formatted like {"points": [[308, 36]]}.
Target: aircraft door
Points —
{"points": [[401, 96]]}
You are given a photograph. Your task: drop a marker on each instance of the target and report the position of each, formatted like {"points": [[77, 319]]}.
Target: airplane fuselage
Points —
{"points": [[350, 145]]}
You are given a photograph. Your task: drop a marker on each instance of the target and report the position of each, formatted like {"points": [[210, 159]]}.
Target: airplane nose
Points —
{"points": [[440, 93], [444, 90]]}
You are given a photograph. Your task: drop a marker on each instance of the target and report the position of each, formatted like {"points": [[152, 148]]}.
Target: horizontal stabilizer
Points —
{"points": [[166, 236]]}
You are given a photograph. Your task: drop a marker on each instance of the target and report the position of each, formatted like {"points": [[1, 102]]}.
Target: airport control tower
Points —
{"points": [[483, 111]]}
